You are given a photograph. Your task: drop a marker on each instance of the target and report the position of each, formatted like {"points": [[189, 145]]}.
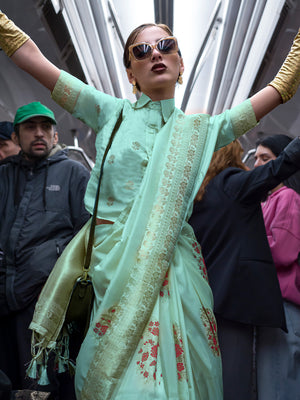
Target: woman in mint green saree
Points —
{"points": [[152, 333]]}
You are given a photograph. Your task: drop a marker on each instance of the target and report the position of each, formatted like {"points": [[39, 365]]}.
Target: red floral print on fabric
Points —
{"points": [[180, 367], [209, 322], [164, 291], [198, 255], [180, 359], [147, 363], [104, 323]]}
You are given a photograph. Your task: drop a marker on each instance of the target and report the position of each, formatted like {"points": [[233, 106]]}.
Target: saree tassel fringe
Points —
{"points": [[37, 368], [44, 380], [32, 370]]}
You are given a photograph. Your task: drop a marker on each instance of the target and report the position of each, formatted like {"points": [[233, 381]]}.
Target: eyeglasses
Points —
{"points": [[141, 51]]}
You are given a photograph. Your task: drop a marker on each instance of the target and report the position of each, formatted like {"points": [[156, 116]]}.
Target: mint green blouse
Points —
{"points": [[132, 147]]}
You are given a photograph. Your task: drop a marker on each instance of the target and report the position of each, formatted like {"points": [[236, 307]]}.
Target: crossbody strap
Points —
{"points": [[87, 261]]}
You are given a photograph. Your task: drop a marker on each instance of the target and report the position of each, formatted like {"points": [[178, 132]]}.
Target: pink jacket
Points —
{"points": [[282, 220]]}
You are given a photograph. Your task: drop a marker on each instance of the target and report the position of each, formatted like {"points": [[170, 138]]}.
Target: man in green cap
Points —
{"points": [[38, 136], [41, 209]]}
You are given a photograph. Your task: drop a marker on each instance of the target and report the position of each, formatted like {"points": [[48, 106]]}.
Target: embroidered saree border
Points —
{"points": [[116, 347]]}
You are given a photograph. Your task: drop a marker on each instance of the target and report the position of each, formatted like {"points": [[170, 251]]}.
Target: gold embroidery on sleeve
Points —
{"points": [[129, 185], [98, 109], [136, 145], [111, 159]]}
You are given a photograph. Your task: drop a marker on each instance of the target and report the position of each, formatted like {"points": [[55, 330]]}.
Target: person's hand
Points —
{"points": [[287, 80], [11, 37]]}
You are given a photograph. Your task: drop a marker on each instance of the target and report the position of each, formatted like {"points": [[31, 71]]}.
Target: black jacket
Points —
{"points": [[229, 225], [41, 209]]}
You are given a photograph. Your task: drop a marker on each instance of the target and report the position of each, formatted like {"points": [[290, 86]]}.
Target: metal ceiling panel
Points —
{"points": [[164, 12]]}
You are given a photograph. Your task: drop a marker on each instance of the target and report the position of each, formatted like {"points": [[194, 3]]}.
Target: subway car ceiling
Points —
{"points": [[231, 49]]}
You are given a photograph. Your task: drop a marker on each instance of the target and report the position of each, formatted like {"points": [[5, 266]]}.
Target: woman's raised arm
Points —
{"points": [[265, 101], [284, 85], [30, 59], [25, 54]]}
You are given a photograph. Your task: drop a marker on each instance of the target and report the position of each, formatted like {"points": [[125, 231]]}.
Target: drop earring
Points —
{"points": [[179, 80], [134, 88]]}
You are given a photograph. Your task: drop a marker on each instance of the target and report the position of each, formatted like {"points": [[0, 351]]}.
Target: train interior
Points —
{"points": [[231, 49]]}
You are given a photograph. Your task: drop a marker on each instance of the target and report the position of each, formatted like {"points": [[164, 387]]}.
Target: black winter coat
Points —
{"points": [[229, 226], [41, 209]]}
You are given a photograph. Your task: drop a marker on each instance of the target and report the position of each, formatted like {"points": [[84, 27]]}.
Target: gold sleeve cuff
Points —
{"points": [[11, 37], [287, 80]]}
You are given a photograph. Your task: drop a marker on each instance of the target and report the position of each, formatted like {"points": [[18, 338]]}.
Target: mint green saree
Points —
{"points": [[152, 334]]}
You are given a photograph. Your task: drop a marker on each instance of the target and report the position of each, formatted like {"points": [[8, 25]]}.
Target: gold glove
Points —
{"points": [[287, 80], [11, 37]]}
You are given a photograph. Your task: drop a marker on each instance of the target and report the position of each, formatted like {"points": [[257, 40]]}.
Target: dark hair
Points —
{"points": [[17, 129], [276, 143], [133, 36]]}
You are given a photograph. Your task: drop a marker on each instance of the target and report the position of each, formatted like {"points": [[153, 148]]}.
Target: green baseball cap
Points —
{"points": [[31, 110]]}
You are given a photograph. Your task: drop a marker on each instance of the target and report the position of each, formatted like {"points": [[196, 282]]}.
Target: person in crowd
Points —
{"points": [[41, 209], [7, 146], [293, 181], [152, 331], [228, 223], [278, 352]]}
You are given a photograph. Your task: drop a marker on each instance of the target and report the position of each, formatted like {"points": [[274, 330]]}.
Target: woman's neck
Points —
{"points": [[276, 188], [158, 95]]}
